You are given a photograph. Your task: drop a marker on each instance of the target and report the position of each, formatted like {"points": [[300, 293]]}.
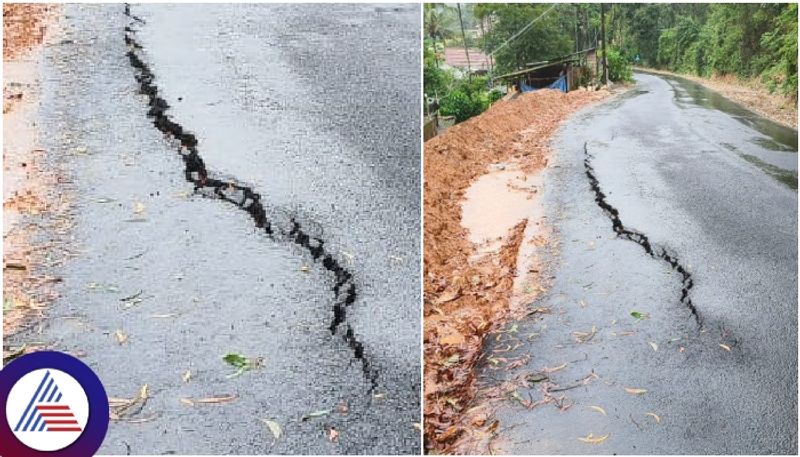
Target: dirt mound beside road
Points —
{"points": [[465, 299], [24, 26], [35, 207]]}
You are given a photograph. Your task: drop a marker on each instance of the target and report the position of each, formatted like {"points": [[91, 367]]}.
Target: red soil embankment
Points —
{"points": [[467, 296], [32, 202], [23, 27]]}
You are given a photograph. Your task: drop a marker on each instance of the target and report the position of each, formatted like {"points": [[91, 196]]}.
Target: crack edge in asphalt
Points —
{"points": [[248, 200], [653, 250]]}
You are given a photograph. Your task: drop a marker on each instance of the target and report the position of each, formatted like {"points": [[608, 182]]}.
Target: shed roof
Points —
{"points": [[456, 57], [537, 67]]}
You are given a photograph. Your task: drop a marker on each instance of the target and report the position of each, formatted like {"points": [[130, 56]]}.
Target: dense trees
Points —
{"points": [[747, 40], [550, 36]]}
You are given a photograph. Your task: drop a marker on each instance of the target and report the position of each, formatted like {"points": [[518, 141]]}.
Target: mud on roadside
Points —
{"points": [[468, 291], [35, 202]]}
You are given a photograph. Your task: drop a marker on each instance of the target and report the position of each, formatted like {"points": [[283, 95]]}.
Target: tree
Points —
{"points": [[550, 36], [437, 22]]}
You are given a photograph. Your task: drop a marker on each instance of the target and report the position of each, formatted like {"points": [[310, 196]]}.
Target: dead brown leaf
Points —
{"points": [[333, 435], [655, 417], [591, 439], [121, 336], [216, 399], [599, 410]]}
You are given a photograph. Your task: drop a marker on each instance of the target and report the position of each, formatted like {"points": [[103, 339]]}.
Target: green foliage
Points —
{"points": [[619, 68], [467, 98], [436, 81], [674, 43], [461, 105], [549, 37], [494, 96], [438, 21], [743, 39], [782, 42]]}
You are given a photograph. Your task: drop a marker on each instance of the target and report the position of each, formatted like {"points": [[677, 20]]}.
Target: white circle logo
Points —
{"points": [[47, 410]]}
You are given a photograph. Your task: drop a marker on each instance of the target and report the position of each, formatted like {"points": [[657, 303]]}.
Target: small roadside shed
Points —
{"points": [[564, 73]]}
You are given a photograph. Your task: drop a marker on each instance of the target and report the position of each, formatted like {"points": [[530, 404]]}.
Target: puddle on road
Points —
{"points": [[496, 202], [785, 176], [772, 145]]}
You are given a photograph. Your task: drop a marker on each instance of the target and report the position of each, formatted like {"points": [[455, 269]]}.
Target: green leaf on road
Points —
{"points": [[241, 362], [235, 360]]}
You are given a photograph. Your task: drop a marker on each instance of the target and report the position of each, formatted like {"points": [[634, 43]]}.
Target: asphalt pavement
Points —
{"points": [[712, 185], [309, 105]]}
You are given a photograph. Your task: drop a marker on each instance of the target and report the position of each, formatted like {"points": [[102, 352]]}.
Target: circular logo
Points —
{"points": [[54, 406], [47, 400]]}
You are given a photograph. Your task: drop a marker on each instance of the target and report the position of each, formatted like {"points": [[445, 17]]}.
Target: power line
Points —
{"points": [[522, 30]]}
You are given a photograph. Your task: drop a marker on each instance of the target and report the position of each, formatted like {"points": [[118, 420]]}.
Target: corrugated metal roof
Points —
{"points": [[456, 57]]}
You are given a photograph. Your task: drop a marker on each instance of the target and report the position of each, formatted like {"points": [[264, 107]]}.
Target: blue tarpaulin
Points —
{"points": [[560, 84]]}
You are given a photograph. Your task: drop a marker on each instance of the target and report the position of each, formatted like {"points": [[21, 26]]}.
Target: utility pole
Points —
{"points": [[577, 21], [464, 37], [603, 34]]}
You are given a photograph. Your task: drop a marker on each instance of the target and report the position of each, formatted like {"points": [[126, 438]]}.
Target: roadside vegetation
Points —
{"points": [[494, 30], [754, 44], [747, 40]]}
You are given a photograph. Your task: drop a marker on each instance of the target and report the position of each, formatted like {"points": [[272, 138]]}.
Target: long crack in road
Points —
{"points": [[245, 198], [705, 338], [178, 259], [639, 238]]}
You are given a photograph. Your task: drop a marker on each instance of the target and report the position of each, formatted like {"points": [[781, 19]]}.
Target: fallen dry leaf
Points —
{"points": [[726, 347], [333, 435], [447, 297], [274, 427], [655, 416], [121, 408], [209, 400], [653, 345], [138, 208], [591, 439], [635, 391], [122, 338], [585, 337], [453, 339], [599, 410], [554, 369], [187, 375]]}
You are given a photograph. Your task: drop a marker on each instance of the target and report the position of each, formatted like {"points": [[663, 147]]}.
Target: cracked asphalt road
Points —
{"points": [[679, 169], [309, 104]]}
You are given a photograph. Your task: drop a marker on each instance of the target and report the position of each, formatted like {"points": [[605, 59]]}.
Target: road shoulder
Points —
{"points": [[776, 107], [468, 292]]}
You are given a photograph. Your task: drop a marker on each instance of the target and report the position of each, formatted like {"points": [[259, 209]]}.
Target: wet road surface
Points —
{"points": [[675, 169], [304, 104]]}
